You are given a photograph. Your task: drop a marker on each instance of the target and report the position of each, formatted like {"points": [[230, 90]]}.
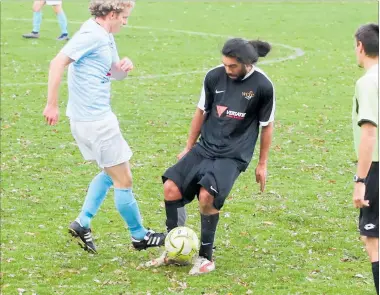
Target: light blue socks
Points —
{"points": [[96, 194], [37, 18], [127, 206], [62, 20], [124, 200]]}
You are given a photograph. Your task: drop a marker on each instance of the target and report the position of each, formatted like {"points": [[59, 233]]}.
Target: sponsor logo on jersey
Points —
{"points": [[231, 114], [220, 110], [248, 95]]}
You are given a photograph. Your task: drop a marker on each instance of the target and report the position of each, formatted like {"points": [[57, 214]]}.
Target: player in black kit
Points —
{"points": [[237, 98]]}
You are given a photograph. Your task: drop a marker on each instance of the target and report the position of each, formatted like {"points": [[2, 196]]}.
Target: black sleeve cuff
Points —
{"points": [[364, 121]]}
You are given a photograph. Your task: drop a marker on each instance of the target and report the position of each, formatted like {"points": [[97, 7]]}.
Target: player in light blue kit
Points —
{"points": [[37, 19], [93, 61]]}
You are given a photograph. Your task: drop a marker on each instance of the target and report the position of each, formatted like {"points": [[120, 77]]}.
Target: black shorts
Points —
{"points": [[194, 170], [369, 216]]}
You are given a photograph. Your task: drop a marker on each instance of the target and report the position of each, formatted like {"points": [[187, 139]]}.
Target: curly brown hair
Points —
{"points": [[104, 7]]}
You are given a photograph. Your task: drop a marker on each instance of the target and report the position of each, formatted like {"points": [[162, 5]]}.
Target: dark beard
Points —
{"points": [[242, 74]]}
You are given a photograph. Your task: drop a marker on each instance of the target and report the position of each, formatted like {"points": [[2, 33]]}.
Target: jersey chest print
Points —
{"points": [[234, 104]]}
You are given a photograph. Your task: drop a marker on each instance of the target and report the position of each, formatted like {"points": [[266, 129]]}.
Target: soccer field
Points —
{"points": [[298, 237]]}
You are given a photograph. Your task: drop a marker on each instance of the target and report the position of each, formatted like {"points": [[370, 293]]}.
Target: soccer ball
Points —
{"points": [[182, 245]]}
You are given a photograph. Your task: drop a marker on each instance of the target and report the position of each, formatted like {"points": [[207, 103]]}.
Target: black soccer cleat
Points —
{"points": [[151, 239], [83, 236]]}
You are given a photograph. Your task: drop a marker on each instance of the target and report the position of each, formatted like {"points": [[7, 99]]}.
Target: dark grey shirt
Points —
{"points": [[234, 111]]}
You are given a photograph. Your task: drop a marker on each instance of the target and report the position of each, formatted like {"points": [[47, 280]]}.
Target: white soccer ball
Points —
{"points": [[182, 244]]}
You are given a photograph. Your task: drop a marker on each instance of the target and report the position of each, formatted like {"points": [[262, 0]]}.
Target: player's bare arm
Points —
{"points": [[366, 148], [57, 68], [265, 142], [195, 131]]}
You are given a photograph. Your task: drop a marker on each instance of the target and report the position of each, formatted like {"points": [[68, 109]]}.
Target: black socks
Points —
{"points": [[375, 272], [175, 214], [208, 229]]}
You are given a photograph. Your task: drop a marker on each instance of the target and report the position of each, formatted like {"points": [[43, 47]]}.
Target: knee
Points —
{"points": [[171, 191], [123, 181], [36, 9], [121, 175], [206, 202], [37, 6], [57, 9]]}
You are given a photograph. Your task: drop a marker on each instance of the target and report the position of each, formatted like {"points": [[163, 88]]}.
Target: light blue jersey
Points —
{"points": [[93, 50]]}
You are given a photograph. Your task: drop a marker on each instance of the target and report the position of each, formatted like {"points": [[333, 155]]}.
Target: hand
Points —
{"points": [[51, 114], [125, 65], [183, 153], [261, 175], [358, 196]]}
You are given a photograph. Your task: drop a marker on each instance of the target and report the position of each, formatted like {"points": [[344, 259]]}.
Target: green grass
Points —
{"points": [[299, 237]]}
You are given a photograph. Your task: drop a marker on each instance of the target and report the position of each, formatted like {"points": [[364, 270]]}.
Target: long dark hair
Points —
{"points": [[246, 52]]}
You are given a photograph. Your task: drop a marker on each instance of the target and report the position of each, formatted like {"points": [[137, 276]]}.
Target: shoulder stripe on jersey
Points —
{"points": [[202, 99], [271, 117]]}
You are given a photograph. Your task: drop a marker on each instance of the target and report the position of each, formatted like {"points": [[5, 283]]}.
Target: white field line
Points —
{"points": [[297, 52]]}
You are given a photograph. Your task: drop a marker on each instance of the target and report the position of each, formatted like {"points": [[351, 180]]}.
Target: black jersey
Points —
{"points": [[234, 110]]}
